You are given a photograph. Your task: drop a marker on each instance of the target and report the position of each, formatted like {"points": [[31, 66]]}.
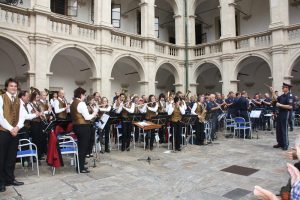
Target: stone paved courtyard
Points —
{"points": [[193, 173]]}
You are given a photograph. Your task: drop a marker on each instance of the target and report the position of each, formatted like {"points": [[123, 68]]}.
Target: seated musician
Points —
{"points": [[81, 121], [176, 110], [199, 109], [151, 111], [124, 109]]}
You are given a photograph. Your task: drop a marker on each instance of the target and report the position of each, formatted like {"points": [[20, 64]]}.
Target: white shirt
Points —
{"points": [[4, 123], [82, 109], [28, 115], [119, 109], [56, 106], [193, 110], [52, 102], [171, 109], [105, 109]]}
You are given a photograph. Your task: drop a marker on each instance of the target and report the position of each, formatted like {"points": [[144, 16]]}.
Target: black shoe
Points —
{"points": [[151, 148], [85, 163], [14, 183], [84, 171], [277, 146], [178, 149], [128, 149], [91, 155], [291, 129], [87, 156], [2, 188], [107, 150], [284, 148]]}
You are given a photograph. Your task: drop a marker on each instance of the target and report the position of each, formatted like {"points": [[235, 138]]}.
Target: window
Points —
{"points": [[58, 6], [64, 7], [116, 15], [138, 22], [156, 27]]}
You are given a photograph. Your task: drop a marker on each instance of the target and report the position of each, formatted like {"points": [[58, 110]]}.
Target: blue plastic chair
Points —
{"points": [[241, 124], [31, 151]]}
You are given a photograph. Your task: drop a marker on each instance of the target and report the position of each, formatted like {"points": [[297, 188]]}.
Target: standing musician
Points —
{"points": [[105, 108], [231, 113], [162, 103], [53, 99], [11, 121], [91, 104], [39, 138], [176, 111], [267, 103], [199, 109], [124, 109], [151, 111], [61, 106], [243, 106], [81, 121], [284, 105], [256, 105], [213, 109]]}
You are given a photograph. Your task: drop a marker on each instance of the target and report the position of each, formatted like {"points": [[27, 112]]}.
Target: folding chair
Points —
{"points": [[30, 152]]}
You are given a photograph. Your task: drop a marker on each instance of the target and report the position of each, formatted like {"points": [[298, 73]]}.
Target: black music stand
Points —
{"points": [[149, 127]]}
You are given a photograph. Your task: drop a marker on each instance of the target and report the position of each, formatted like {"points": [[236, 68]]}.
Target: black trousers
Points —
{"points": [[200, 134], [106, 135], [282, 129], [92, 140], [126, 134], [177, 127], [8, 154], [39, 138], [83, 133], [150, 135]]}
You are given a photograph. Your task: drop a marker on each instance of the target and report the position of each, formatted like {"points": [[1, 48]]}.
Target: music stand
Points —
{"points": [[147, 126], [255, 114]]}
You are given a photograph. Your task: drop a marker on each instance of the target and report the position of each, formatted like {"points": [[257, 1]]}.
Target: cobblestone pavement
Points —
{"points": [[193, 173]]}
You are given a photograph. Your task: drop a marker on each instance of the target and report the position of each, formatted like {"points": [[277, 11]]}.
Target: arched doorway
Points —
{"points": [[126, 74], [253, 74], [14, 63], [164, 25], [165, 78], [208, 78], [71, 68], [296, 77]]}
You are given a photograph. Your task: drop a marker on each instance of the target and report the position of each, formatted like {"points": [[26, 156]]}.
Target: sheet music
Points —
{"points": [[255, 113], [101, 124], [143, 124]]}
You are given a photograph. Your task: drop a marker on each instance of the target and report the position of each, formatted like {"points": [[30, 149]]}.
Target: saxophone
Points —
{"points": [[202, 113]]}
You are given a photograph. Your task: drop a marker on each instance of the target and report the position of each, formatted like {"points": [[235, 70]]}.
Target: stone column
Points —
{"points": [[104, 61], [227, 16], [150, 65], [229, 81], [179, 29], [279, 19], [147, 18], [102, 12], [191, 30]]}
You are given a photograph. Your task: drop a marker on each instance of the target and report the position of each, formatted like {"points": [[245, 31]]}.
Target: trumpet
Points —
{"points": [[39, 109]]}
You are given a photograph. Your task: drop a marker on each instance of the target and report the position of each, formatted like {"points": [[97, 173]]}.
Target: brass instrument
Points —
{"points": [[38, 109], [48, 91], [187, 94], [33, 89], [2, 91], [202, 114]]}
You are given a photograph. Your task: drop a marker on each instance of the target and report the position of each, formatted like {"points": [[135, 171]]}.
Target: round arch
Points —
{"points": [[197, 70], [172, 68], [253, 72], [174, 4], [135, 59], [208, 76], [85, 51], [15, 60], [244, 57], [19, 45], [292, 62]]}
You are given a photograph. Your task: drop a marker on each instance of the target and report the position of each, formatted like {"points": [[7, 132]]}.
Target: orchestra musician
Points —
{"points": [[81, 125], [124, 108], [151, 111], [91, 104], [11, 121], [175, 110], [105, 108], [39, 138], [61, 106], [213, 109], [199, 109]]}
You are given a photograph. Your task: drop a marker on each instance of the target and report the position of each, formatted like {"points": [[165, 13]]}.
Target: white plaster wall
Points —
{"points": [[260, 16], [294, 14], [84, 13]]}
